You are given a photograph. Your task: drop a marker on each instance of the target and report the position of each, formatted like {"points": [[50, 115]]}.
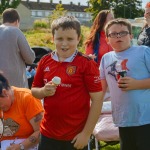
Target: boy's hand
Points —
{"points": [[127, 83], [80, 140], [49, 89], [92, 56]]}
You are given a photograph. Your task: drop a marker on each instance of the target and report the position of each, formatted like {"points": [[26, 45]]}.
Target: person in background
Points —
{"points": [[15, 51], [96, 43], [126, 71], [69, 119], [21, 114], [144, 36]]}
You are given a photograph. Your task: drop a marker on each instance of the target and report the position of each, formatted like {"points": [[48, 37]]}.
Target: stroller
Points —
{"points": [[31, 69], [105, 129]]}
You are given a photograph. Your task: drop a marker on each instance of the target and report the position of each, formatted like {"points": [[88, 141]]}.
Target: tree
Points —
{"points": [[122, 8], [57, 12], [4, 4]]}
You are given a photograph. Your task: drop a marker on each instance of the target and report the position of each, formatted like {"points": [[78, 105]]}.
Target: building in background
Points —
{"points": [[30, 11]]}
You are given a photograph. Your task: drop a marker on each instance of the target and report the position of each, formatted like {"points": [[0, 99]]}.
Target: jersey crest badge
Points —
{"points": [[71, 70]]}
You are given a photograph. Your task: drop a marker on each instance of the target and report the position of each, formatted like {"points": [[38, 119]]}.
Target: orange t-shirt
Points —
{"points": [[17, 118]]}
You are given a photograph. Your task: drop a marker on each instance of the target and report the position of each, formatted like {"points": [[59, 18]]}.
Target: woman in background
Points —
{"points": [[96, 43]]}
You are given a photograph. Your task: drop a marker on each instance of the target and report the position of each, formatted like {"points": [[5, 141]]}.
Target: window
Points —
{"points": [[47, 13], [81, 15], [33, 13], [39, 14]]}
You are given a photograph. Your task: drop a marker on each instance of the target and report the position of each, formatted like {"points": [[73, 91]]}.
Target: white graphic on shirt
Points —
{"points": [[47, 69], [118, 69], [97, 79], [10, 127], [66, 85], [62, 84]]}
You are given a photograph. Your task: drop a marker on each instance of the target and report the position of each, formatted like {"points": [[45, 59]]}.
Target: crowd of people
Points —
{"points": [[61, 114]]}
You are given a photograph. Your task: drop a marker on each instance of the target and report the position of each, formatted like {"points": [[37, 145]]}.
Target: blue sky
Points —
{"points": [[144, 2], [82, 2]]}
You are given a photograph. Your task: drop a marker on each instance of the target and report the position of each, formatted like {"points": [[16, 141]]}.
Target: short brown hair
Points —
{"points": [[10, 15], [66, 22], [120, 21]]}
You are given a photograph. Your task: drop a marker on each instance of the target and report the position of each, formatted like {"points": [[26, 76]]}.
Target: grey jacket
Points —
{"points": [[15, 52]]}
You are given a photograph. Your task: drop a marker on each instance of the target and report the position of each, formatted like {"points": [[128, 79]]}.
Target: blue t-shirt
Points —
{"points": [[129, 108]]}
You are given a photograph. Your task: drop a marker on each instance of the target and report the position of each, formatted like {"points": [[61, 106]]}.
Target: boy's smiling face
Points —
{"points": [[66, 42], [119, 43]]}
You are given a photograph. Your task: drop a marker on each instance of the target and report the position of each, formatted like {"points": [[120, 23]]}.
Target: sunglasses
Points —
{"points": [[120, 34]]}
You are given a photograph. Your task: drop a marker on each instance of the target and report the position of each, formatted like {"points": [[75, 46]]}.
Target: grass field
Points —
{"points": [[110, 147]]}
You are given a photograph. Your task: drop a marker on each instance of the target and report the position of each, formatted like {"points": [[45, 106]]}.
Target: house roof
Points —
{"points": [[51, 6]]}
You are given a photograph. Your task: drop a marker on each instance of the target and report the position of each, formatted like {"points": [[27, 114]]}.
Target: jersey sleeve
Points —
{"points": [[92, 77]]}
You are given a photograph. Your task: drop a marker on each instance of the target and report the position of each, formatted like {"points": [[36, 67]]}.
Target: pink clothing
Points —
{"points": [[103, 48]]}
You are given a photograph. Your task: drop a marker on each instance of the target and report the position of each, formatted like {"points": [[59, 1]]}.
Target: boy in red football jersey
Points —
{"points": [[69, 119]]}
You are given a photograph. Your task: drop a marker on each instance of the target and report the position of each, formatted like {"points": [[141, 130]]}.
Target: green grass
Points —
{"points": [[110, 147], [40, 38]]}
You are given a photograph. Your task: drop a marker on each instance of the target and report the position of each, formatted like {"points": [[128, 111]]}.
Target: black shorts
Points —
{"points": [[51, 144], [135, 138]]}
